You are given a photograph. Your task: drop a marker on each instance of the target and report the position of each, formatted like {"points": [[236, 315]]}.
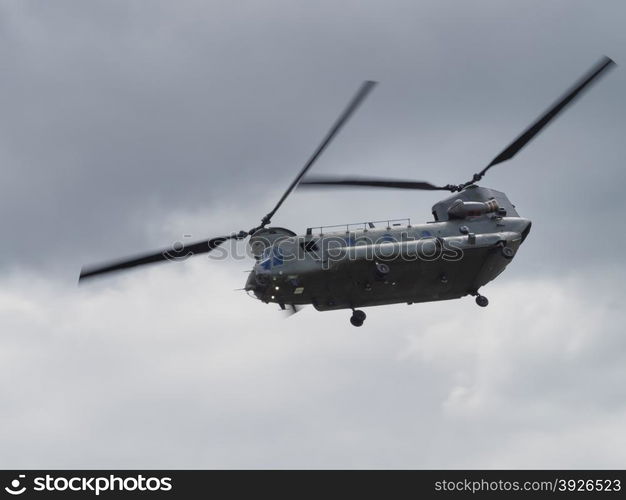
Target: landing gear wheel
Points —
{"points": [[382, 270], [482, 301], [357, 318], [507, 252]]}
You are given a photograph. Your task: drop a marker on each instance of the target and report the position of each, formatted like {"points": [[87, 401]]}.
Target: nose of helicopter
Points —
{"points": [[258, 283]]}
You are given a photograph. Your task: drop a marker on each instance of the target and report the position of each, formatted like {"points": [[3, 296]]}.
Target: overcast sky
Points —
{"points": [[126, 124]]}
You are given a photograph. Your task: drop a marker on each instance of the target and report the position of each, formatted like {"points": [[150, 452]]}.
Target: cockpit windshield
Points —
{"points": [[272, 256]]}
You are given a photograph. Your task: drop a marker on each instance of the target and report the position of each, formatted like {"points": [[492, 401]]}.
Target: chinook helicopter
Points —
{"points": [[475, 234]]}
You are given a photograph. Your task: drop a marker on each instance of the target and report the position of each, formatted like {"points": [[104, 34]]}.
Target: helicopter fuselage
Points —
{"points": [[368, 264], [475, 234]]}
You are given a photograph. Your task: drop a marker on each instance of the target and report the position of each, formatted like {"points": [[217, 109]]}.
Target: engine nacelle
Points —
{"points": [[461, 209], [469, 195]]}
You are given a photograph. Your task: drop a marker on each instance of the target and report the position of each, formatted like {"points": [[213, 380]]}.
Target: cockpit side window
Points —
{"points": [[272, 256]]}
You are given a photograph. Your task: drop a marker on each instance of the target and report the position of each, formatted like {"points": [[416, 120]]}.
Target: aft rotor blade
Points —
{"points": [[376, 183], [171, 254], [356, 101], [511, 150]]}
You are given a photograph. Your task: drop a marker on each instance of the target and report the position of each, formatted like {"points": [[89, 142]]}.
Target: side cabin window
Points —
{"points": [[309, 246]]}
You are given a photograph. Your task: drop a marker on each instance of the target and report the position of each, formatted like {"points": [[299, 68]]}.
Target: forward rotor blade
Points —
{"points": [[376, 183], [512, 149], [356, 101], [171, 254], [292, 309]]}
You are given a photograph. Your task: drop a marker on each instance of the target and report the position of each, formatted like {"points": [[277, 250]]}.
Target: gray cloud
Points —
{"points": [[145, 374]]}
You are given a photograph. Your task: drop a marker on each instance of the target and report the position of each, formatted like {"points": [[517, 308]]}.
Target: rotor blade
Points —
{"points": [[377, 183], [511, 150], [171, 254], [292, 309], [362, 93]]}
